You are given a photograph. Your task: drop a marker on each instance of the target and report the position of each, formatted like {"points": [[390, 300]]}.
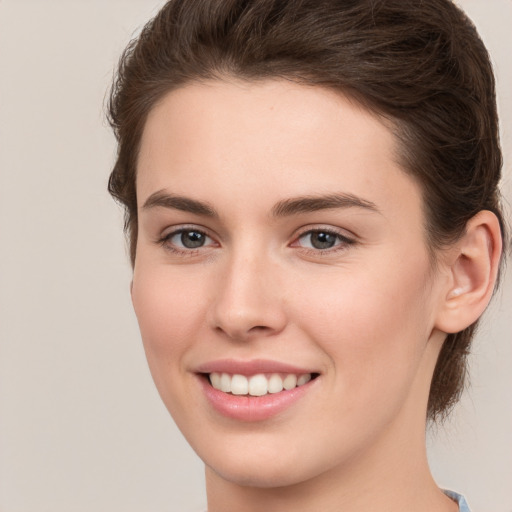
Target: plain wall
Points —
{"points": [[81, 426]]}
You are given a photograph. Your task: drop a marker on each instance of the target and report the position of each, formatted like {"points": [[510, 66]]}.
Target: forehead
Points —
{"points": [[227, 139]]}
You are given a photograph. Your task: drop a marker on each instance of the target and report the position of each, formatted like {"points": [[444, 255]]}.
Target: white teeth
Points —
{"points": [[239, 385], [275, 384], [303, 379], [215, 380], [256, 385], [290, 382], [225, 383]]}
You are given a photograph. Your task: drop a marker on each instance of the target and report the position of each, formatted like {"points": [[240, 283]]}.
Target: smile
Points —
{"points": [[257, 385], [255, 390]]}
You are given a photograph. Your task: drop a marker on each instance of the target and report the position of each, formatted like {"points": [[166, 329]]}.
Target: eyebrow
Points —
{"points": [[307, 204], [284, 208], [176, 202]]}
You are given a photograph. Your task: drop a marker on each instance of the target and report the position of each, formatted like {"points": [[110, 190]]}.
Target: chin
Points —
{"points": [[274, 465], [261, 475]]}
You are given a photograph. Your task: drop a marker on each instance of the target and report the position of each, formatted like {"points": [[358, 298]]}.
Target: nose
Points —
{"points": [[249, 301]]}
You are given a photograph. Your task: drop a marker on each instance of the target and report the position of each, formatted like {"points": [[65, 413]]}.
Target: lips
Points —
{"points": [[254, 390]]}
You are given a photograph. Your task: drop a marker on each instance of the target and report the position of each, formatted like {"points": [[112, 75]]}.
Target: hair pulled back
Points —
{"points": [[419, 64]]}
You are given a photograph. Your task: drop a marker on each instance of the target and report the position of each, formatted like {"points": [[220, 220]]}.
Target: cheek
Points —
{"points": [[374, 327], [169, 309]]}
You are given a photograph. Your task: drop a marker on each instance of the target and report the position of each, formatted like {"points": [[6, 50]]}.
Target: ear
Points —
{"points": [[472, 272]]}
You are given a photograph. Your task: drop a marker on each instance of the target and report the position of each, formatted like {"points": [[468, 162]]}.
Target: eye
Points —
{"points": [[322, 240], [186, 239], [189, 239]]}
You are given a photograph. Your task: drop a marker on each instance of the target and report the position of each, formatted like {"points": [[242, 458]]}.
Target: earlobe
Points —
{"points": [[472, 273]]}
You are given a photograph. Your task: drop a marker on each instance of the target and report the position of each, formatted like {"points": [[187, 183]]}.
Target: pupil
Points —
{"points": [[192, 239], [322, 240]]}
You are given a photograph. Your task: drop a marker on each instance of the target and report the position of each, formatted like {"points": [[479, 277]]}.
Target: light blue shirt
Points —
{"points": [[463, 506]]}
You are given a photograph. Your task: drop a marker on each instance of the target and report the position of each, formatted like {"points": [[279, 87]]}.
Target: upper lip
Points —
{"points": [[252, 367]]}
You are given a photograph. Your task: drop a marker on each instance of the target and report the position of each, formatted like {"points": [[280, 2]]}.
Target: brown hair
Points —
{"points": [[420, 64]]}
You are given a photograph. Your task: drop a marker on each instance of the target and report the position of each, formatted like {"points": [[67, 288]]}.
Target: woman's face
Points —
{"points": [[279, 239]]}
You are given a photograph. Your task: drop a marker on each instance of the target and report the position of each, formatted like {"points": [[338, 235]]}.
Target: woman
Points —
{"points": [[311, 193]]}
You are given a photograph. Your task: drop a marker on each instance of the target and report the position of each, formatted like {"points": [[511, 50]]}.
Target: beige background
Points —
{"points": [[81, 426]]}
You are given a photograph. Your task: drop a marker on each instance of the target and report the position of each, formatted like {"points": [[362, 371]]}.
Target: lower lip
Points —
{"points": [[253, 408]]}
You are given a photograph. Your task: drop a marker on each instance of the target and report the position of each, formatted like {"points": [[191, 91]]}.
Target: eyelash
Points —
{"points": [[342, 241], [165, 241]]}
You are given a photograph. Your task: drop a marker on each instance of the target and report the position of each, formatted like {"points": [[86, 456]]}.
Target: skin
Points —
{"points": [[367, 315]]}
